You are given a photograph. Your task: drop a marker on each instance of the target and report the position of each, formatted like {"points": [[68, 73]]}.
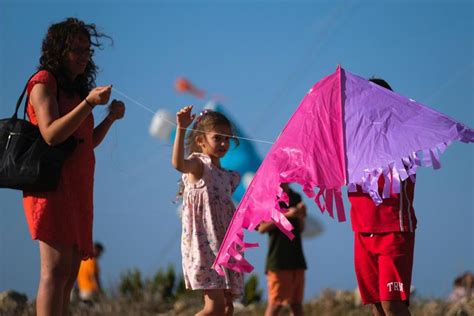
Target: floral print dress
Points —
{"points": [[207, 212]]}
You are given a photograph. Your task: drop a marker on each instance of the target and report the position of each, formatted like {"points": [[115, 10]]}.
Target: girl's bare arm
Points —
{"points": [[191, 166]]}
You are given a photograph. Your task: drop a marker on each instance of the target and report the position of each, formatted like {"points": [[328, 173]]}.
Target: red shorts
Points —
{"points": [[285, 286], [383, 265]]}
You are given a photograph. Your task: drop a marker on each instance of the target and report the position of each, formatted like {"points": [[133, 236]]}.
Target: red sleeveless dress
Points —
{"points": [[65, 216]]}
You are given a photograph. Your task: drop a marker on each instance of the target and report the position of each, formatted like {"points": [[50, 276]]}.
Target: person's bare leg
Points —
{"points": [[296, 309], [377, 309], [214, 303], [229, 303], [55, 270], [272, 309], [395, 308], [75, 264]]}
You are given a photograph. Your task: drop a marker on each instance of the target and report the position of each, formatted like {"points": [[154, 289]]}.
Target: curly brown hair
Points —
{"points": [[57, 43]]}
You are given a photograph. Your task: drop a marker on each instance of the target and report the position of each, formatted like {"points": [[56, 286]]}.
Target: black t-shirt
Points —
{"points": [[283, 253]]}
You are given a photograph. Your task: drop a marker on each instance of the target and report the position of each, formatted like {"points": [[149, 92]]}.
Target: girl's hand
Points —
{"points": [[116, 110], [99, 95], [184, 118]]}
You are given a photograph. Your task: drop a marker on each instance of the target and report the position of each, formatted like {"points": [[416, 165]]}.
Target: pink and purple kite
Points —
{"points": [[346, 131]]}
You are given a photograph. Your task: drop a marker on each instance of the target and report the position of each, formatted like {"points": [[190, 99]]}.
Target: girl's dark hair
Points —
{"points": [[205, 123], [381, 82], [57, 43]]}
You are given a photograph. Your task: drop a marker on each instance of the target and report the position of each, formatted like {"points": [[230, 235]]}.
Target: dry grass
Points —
{"points": [[329, 303]]}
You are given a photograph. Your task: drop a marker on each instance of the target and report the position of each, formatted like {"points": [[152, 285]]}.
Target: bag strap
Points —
{"points": [[18, 103]]}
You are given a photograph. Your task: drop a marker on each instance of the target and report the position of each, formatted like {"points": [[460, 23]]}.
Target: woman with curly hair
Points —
{"points": [[62, 96]]}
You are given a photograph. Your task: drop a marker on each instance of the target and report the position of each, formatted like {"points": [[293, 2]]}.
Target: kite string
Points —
{"points": [[301, 67], [174, 124]]}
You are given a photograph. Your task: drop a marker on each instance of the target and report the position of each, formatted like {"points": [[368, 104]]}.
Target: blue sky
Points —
{"points": [[262, 56]]}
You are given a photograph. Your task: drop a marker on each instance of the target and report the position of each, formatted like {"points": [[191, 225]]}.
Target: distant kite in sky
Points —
{"points": [[183, 85], [346, 131]]}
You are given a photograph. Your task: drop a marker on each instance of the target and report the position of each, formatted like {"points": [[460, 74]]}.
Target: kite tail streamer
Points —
{"points": [[329, 197], [398, 171]]}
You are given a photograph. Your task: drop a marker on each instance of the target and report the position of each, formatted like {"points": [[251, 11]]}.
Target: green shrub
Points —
{"points": [[252, 294], [181, 287], [131, 284], [163, 282]]}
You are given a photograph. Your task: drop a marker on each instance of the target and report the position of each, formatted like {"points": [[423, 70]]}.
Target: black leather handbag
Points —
{"points": [[26, 162]]}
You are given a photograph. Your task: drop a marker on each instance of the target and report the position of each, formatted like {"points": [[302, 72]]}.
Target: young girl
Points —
{"points": [[207, 206]]}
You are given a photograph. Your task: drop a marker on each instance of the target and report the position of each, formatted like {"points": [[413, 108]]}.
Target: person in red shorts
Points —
{"points": [[384, 239]]}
